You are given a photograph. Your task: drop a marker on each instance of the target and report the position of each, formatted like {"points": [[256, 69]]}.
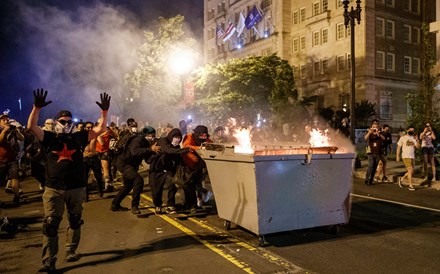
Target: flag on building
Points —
{"points": [[240, 24], [253, 18], [219, 33], [229, 32]]}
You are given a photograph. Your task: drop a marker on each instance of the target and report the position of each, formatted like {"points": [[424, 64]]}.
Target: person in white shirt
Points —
{"points": [[407, 145]]}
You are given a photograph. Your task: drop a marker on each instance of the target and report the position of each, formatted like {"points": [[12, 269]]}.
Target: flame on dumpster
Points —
{"points": [[319, 138], [243, 137]]}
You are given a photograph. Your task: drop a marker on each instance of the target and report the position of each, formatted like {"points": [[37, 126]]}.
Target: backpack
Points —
{"points": [[122, 143]]}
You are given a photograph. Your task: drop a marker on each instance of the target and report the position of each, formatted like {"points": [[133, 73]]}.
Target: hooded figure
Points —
{"points": [[164, 165]]}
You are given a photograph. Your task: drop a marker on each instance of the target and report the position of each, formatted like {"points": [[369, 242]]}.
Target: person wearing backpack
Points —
{"points": [[137, 148]]}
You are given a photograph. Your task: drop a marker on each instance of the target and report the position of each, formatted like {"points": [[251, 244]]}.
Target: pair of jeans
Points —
{"points": [[157, 182], [373, 161], [132, 180]]}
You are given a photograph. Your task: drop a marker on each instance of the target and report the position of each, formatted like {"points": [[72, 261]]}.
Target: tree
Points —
{"points": [[421, 102], [364, 112], [151, 81], [246, 88]]}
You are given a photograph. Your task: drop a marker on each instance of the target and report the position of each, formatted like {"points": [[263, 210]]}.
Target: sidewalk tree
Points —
{"points": [[151, 79], [245, 88], [365, 111], [421, 102]]}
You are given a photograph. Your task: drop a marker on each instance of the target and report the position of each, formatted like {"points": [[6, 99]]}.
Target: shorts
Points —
{"points": [[9, 171], [428, 151], [409, 162], [104, 156]]}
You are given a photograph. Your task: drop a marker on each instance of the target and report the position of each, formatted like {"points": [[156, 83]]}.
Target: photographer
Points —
{"points": [[374, 138], [9, 148], [427, 136]]}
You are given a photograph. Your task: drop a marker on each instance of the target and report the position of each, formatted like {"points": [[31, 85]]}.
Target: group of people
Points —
{"points": [[379, 145]]}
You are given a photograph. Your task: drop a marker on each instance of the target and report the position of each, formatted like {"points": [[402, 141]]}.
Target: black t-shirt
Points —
{"points": [[65, 165]]}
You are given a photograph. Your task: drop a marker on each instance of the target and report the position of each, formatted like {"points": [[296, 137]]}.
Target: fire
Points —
{"points": [[243, 137], [319, 138]]}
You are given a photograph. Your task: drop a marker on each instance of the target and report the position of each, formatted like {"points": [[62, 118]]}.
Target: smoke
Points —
{"points": [[78, 54]]}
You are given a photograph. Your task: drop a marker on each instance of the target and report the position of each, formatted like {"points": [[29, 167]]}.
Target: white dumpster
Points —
{"points": [[283, 189]]}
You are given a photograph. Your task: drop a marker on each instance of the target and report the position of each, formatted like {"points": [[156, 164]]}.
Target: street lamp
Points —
{"points": [[181, 61], [349, 19]]}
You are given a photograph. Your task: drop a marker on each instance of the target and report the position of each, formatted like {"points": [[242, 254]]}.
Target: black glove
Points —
{"points": [[40, 98], [105, 101]]}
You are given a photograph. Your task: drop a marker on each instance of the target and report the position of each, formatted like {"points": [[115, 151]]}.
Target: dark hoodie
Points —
{"points": [[169, 156]]}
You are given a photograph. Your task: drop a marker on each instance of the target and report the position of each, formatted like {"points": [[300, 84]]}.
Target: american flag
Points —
{"points": [[220, 33]]}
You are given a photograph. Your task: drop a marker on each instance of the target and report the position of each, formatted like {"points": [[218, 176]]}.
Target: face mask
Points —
{"points": [[134, 129], [176, 141], [149, 138], [66, 129], [410, 133]]}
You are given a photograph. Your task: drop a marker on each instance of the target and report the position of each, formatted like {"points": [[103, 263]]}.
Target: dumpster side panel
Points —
{"points": [[294, 195], [234, 189]]}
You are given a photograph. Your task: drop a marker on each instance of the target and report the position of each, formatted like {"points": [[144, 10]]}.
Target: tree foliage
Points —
{"points": [[364, 111], [421, 101], [246, 88], [152, 79]]}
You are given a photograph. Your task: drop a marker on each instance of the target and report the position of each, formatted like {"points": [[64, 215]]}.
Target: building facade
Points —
{"points": [[312, 36]]}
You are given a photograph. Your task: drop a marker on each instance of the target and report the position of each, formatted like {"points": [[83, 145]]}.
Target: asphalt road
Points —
{"points": [[391, 230]]}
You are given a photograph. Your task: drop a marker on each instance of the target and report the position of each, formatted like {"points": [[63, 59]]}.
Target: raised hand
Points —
{"points": [[40, 98], [105, 101]]}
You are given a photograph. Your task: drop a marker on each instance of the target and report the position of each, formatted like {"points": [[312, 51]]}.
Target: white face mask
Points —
{"points": [[149, 138], [176, 141], [134, 129], [66, 129]]}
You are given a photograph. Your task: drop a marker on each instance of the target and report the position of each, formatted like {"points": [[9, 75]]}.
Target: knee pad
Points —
{"points": [[75, 221], [50, 226]]}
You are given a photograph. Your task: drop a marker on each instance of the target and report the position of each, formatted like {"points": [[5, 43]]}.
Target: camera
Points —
{"points": [[12, 127]]}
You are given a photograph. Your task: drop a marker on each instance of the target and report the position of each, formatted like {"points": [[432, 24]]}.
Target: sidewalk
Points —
{"points": [[394, 171]]}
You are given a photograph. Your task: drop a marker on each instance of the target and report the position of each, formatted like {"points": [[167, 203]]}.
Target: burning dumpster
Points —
{"points": [[277, 189]]}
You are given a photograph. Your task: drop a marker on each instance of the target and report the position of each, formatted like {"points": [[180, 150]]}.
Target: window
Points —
{"points": [[295, 45], [317, 68], [407, 33], [415, 7], [340, 62], [390, 62], [324, 5], [416, 66], [315, 8], [348, 61], [416, 36], [295, 17], [390, 3], [380, 26], [380, 2], [316, 35], [340, 31], [344, 101], [302, 14], [324, 66], [406, 5], [386, 105], [380, 60], [302, 71], [407, 65], [324, 36], [390, 29], [302, 42]]}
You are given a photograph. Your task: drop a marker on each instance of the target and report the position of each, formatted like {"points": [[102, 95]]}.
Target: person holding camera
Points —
{"points": [[9, 148], [374, 138], [427, 136], [407, 143]]}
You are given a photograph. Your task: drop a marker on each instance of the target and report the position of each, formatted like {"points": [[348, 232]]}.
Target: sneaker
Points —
{"points": [[193, 210], [158, 210], [411, 188], [376, 179], [399, 181], [41, 187], [208, 196], [118, 208], [171, 210], [48, 265], [425, 179], [71, 256], [135, 211], [9, 190]]}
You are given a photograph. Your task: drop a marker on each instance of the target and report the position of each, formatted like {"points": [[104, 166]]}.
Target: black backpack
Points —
{"points": [[122, 143]]}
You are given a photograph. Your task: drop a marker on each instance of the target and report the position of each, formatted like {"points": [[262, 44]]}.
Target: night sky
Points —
{"points": [[35, 36]]}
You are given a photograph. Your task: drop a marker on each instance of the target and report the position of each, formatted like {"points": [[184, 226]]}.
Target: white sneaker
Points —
{"points": [[208, 196]]}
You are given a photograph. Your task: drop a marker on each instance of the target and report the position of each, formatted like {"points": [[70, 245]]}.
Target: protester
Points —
{"points": [[136, 149], [66, 184], [374, 138], [195, 194], [407, 144], [103, 149], [92, 162], [427, 137], [386, 147], [162, 167]]}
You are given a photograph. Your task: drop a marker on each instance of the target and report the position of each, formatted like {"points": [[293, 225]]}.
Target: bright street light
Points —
{"points": [[181, 61]]}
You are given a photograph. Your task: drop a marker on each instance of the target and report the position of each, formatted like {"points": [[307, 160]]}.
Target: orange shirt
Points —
{"points": [[106, 146], [191, 158]]}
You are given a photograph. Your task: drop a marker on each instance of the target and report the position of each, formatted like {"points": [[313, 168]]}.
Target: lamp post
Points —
{"points": [[349, 19], [181, 62]]}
